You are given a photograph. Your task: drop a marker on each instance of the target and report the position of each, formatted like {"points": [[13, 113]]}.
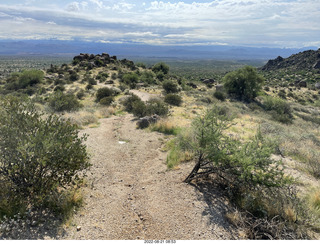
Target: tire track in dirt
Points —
{"points": [[132, 195]]}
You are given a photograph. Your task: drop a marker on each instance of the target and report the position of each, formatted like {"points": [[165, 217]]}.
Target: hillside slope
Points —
{"points": [[306, 60]]}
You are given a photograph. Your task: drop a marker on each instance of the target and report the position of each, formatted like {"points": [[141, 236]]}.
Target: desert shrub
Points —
{"points": [[24, 79], [156, 106], [92, 81], [219, 95], [147, 77], [161, 67], [140, 109], [80, 94], [39, 154], [59, 88], [280, 110], [160, 76], [282, 94], [60, 102], [173, 99], [74, 77], [104, 92], [165, 127], [106, 101], [89, 87], [244, 83], [170, 86], [129, 101], [131, 79]]}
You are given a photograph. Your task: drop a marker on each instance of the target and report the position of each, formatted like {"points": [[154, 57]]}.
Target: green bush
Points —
{"points": [[173, 99], [104, 92], [60, 102], [280, 110], [24, 79], [106, 101], [131, 79], [156, 106], [147, 77], [161, 67], [129, 101], [135, 105], [39, 154], [170, 86], [244, 83], [234, 163], [219, 95]]}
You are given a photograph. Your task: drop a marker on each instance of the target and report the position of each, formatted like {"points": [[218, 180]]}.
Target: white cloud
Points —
{"points": [[256, 22]]}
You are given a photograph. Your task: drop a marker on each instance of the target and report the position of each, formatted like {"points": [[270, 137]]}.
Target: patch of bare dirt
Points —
{"points": [[132, 195]]}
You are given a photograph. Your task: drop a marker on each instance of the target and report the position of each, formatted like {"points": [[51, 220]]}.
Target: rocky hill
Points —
{"points": [[307, 60]]}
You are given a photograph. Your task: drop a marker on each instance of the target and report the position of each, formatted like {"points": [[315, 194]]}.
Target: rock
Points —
{"points": [[147, 120], [302, 84], [209, 82], [317, 85], [316, 65], [192, 85], [219, 87], [78, 228]]}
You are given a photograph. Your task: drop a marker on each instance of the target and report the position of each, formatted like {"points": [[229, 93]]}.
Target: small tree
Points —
{"points": [[235, 164], [38, 154], [244, 83], [161, 67]]}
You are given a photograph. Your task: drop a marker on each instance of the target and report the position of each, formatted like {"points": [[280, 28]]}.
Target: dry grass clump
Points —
{"points": [[165, 126], [81, 118]]}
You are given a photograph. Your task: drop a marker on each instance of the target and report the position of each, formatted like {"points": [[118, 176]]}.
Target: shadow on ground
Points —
{"points": [[36, 225], [216, 204]]}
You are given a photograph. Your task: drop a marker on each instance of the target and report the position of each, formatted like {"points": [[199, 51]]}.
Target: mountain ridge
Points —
{"points": [[72, 48]]}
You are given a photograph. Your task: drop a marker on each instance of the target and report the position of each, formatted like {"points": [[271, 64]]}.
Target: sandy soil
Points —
{"points": [[133, 196]]}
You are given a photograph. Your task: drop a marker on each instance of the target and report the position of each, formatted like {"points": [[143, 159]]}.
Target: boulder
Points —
{"points": [[219, 87], [208, 81], [192, 85], [316, 65], [317, 86], [302, 83], [147, 120]]}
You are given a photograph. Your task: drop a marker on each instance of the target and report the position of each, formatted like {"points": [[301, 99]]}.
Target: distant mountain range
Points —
{"points": [[71, 48]]}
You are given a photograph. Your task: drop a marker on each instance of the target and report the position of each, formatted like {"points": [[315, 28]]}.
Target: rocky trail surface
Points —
{"points": [[131, 194]]}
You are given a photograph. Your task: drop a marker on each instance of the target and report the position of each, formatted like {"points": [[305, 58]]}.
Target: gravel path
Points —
{"points": [[133, 195]]}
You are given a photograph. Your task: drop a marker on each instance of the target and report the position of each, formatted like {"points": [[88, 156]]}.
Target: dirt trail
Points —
{"points": [[133, 195]]}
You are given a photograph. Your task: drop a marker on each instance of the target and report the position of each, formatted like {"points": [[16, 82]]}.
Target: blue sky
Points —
{"points": [[260, 23]]}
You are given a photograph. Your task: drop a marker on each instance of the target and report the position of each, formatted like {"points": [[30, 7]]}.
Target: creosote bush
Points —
{"points": [[139, 108], [173, 99], [280, 110], [60, 102], [170, 86], [39, 156]]}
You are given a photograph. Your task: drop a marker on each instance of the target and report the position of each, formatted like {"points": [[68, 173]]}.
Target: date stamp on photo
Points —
{"points": [[160, 241]]}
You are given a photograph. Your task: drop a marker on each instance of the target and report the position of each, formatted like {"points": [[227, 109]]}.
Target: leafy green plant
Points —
{"points": [[280, 110], [219, 95], [170, 86], [161, 67], [24, 79], [39, 154], [60, 102], [131, 79], [105, 92], [173, 99], [244, 83]]}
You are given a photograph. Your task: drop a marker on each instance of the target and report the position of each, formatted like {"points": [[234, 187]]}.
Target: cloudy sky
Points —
{"points": [[261, 23]]}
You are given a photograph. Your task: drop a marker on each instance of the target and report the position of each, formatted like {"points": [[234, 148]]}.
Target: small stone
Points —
{"points": [[78, 228]]}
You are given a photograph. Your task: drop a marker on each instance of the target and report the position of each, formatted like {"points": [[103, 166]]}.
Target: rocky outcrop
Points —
{"points": [[306, 60]]}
